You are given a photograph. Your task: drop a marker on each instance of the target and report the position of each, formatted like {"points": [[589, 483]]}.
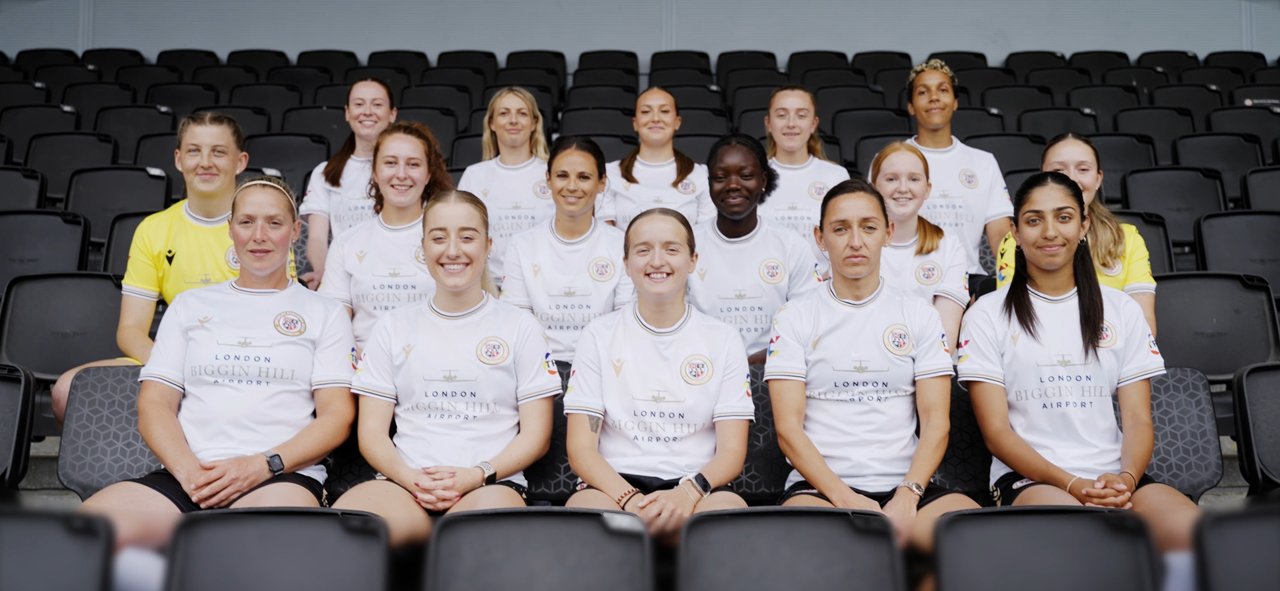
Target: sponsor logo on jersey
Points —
{"points": [[233, 261], [928, 273], [168, 256], [551, 365], [897, 340], [696, 370], [541, 190], [355, 359], [687, 187], [600, 269], [772, 271], [492, 351], [945, 347], [1106, 335], [746, 386], [360, 254], [968, 178], [960, 349], [617, 367], [420, 255], [290, 324], [773, 350], [817, 190]]}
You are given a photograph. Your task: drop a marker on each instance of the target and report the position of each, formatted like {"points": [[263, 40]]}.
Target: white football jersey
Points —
{"points": [[346, 206], [456, 380], [968, 192], [797, 201], [743, 281], [659, 391], [943, 272], [566, 284], [860, 362], [376, 268], [247, 362], [1060, 402], [623, 200], [517, 197]]}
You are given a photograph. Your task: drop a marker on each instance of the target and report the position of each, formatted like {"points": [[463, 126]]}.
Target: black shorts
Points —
{"points": [[520, 489], [1008, 487], [650, 484], [932, 493], [166, 484]]}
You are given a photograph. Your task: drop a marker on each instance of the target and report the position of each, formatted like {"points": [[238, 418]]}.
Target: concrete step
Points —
{"points": [[42, 468]]}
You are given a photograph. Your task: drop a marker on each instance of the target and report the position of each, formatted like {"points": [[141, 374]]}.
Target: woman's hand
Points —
{"points": [[901, 511], [1107, 491], [666, 511], [438, 488], [844, 498], [221, 482]]}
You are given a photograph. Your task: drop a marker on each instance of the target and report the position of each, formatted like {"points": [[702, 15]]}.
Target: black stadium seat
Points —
{"points": [[187, 60], [1105, 101], [129, 123], [483, 62], [115, 257], [225, 78], [801, 62], [1023, 62], [335, 62], [789, 548], [1240, 241], [57, 78], [252, 120], [677, 58], [34, 543], [601, 97], [305, 78], [1187, 454], [396, 78], [156, 150], [182, 97], [103, 406], [83, 330], [466, 150], [1011, 101], [89, 98], [1051, 122], [1180, 194], [1171, 61], [680, 77], [17, 401], [1059, 81], [605, 77], [729, 61], [1246, 62], [872, 62], [852, 125], [1098, 62], [23, 92], [292, 154], [1162, 124], [1140, 78], [1224, 79], [1013, 151], [258, 60], [410, 62], [833, 100], [968, 121], [331, 95], [466, 78], [1121, 153], [1256, 413], [101, 194], [618, 59], [21, 188], [33, 59], [143, 77], [1234, 550], [1155, 234], [20, 123], [1232, 155], [57, 155], [978, 80], [328, 122], [41, 241], [961, 60], [1262, 188], [1199, 99], [595, 121]]}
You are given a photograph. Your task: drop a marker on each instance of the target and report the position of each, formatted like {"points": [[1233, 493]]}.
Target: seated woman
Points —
{"points": [[1045, 357], [655, 174], [658, 403], [853, 370], [748, 267], [337, 197], [467, 380], [246, 390], [1120, 256], [920, 259], [378, 265], [568, 270]]}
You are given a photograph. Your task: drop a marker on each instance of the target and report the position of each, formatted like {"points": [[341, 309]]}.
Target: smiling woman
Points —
{"points": [[747, 267]]}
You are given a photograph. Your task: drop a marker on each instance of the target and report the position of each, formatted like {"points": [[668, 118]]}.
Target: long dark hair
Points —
{"points": [[684, 164], [579, 143], [757, 149], [333, 168], [1017, 302]]}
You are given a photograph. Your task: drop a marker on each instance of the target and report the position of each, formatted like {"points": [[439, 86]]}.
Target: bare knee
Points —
{"points": [[720, 501], [591, 498]]}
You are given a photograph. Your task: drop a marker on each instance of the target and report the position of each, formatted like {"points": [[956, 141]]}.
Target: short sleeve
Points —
{"points": [[142, 274], [607, 203], [998, 203], [785, 359], [980, 351], [586, 382], [733, 402], [802, 279], [536, 372], [1005, 261], [706, 209], [514, 289], [1140, 357], [332, 366], [955, 276], [932, 359], [169, 353], [468, 181], [375, 373], [337, 279], [1137, 262], [316, 199], [624, 292]]}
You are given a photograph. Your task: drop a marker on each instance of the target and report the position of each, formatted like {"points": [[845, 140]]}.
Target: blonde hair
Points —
{"points": [[933, 65], [930, 234], [271, 182], [537, 142], [1106, 238], [814, 145], [468, 198]]}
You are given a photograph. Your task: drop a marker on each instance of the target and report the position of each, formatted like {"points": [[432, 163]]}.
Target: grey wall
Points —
{"points": [[916, 26]]}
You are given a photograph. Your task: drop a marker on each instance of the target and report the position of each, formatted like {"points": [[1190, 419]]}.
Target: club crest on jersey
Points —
{"points": [[1106, 335], [772, 271], [233, 261], [968, 178], [492, 351], [420, 255], [541, 190], [696, 370], [687, 187], [600, 269], [817, 189], [1113, 270], [897, 340], [290, 324], [928, 273]]}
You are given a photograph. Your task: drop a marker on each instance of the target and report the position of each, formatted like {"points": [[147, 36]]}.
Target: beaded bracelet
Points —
{"points": [[625, 497]]}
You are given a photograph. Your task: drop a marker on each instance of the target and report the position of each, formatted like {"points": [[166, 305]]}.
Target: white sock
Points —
{"points": [[138, 569], [1179, 571]]}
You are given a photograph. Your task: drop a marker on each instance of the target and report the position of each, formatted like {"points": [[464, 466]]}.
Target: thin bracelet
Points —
{"points": [[690, 493], [1135, 478], [1071, 482], [626, 496]]}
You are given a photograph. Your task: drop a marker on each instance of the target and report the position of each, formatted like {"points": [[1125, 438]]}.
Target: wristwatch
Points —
{"points": [[914, 487], [700, 482], [274, 463], [490, 475]]}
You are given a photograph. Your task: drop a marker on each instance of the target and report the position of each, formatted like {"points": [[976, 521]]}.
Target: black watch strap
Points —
{"points": [[274, 463], [703, 484]]}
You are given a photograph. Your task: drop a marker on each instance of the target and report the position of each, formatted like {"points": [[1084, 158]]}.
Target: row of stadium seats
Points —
{"points": [[812, 549]]}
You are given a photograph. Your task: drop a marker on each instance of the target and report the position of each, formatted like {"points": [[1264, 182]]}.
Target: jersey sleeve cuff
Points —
{"points": [[536, 394], [169, 381], [1133, 288], [733, 416], [371, 393], [573, 409], [138, 292], [1144, 375], [935, 372], [784, 375], [330, 382], [980, 377], [963, 300]]}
